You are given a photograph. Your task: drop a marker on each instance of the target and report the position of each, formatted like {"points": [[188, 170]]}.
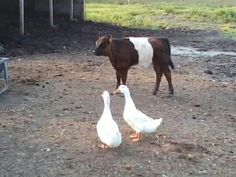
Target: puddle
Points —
{"points": [[193, 52]]}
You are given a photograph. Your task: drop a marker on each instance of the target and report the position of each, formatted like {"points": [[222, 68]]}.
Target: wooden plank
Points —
{"points": [[22, 25], [51, 13]]}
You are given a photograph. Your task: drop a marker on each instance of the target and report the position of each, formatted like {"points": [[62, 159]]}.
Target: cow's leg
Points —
{"points": [[158, 78], [118, 78], [120, 75], [167, 74], [124, 76]]}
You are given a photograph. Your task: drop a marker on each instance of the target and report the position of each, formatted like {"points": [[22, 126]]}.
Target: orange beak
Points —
{"points": [[117, 91]]}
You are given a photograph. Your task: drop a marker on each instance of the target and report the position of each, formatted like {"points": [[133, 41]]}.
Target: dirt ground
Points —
{"points": [[48, 116]]}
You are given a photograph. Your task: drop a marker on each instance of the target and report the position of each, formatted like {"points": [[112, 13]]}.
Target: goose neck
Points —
{"points": [[106, 105], [128, 100]]}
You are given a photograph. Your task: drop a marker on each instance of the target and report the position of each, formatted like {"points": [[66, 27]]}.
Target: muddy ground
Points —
{"points": [[49, 114]]}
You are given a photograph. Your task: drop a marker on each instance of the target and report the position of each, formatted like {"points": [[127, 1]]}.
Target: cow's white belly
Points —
{"points": [[144, 49]]}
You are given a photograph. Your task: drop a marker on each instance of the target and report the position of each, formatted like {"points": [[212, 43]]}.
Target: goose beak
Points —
{"points": [[117, 91]]}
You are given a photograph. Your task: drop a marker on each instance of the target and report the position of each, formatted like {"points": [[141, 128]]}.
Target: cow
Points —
{"points": [[144, 51]]}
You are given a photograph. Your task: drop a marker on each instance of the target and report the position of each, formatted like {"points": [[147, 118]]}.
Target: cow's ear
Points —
{"points": [[99, 35], [110, 37]]}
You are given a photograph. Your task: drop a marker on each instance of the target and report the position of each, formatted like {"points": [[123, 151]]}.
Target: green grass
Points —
{"points": [[165, 15], [213, 3]]}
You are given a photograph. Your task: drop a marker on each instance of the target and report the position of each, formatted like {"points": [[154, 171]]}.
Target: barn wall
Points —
{"points": [[12, 6], [61, 7], [9, 6]]}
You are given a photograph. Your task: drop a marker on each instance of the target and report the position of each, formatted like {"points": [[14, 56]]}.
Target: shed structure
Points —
{"points": [[72, 8]]}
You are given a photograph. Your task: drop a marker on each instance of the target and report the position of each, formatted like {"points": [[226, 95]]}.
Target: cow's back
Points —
{"points": [[124, 53], [144, 49], [161, 50]]}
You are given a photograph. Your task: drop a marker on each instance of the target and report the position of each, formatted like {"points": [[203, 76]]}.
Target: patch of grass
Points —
{"points": [[212, 3], [164, 15], [229, 30], [226, 15]]}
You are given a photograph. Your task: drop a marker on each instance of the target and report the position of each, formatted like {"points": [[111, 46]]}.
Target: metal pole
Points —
{"points": [[22, 27], [51, 12], [71, 10], [84, 10]]}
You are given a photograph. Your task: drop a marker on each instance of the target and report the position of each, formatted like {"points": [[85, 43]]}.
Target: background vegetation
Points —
{"points": [[160, 14]]}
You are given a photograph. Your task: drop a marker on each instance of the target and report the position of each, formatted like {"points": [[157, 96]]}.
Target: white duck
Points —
{"points": [[107, 128], [140, 122]]}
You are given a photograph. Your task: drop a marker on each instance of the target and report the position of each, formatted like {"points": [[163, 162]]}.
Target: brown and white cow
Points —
{"points": [[144, 51]]}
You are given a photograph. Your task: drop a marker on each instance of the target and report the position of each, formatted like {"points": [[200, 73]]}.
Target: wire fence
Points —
{"points": [[221, 3]]}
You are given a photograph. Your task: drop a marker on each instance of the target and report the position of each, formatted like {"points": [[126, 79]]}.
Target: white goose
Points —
{"points": [[140, 122], [107, 128]]}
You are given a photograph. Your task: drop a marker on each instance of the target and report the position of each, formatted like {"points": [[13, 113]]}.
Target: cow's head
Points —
{"points": [[102, 45]]}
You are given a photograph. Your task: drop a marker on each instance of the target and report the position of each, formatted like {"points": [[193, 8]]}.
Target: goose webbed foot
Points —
{"points": [[136, 137], [103, 146]]}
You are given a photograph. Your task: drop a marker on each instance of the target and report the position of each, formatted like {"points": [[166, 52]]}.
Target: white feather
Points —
{"points": [[107, 128], [144, 49], [137, 120]]}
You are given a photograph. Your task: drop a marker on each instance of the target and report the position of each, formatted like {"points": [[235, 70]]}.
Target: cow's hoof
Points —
{"points": [[154, 92], [171, 92]]}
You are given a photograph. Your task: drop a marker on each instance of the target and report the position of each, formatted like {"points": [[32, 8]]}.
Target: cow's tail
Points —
{"points": [[171, 64], [169, 52]]}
